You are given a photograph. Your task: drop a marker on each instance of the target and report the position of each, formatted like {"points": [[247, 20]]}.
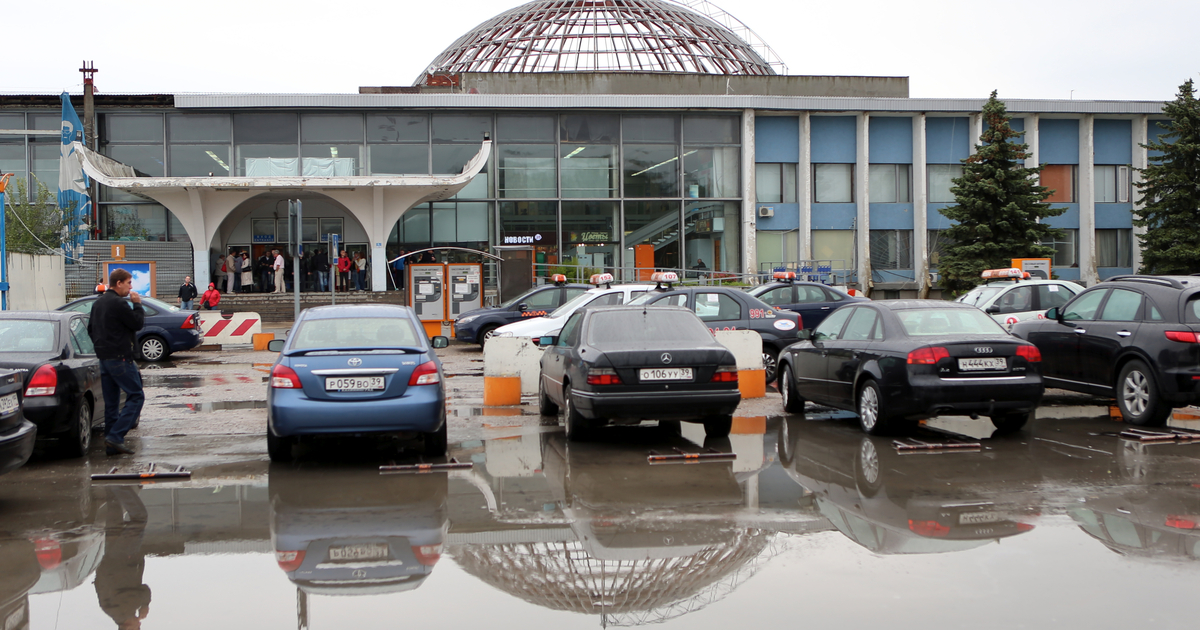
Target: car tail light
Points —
{"points": [[1031, 353], [425, 374], [1182, 336], [43, 382], [190, 322], [928, 355], [289, 560], [284, 377], [1024, 527], [48, 551], [726, 374], [929, 529], [427, 555], [603, 376], [1182, 522]]}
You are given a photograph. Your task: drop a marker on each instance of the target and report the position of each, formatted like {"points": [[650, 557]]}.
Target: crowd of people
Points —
{"points": [[273, 271]]}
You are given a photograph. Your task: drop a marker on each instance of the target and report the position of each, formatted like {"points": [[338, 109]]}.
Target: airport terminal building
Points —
{"points": [[670, 139]]}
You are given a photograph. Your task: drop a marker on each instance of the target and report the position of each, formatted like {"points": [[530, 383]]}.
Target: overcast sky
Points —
{"points": [[1052, 49]]}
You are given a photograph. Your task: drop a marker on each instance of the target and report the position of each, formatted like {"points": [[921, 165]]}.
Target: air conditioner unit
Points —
{"points": [[766, 211]]}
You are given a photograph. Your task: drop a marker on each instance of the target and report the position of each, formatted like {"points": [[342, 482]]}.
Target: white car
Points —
{"points": [[1013, 299], [539, 326]]}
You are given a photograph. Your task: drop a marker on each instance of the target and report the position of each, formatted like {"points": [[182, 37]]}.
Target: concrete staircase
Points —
{"points": [[281, 308]]}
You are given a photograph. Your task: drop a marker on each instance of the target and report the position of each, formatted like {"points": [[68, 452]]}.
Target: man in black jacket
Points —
{"points": [[187, 293], [113, 327]]}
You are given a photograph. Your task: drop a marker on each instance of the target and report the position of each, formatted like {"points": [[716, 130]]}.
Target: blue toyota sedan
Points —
{"points": [[357, 370]]}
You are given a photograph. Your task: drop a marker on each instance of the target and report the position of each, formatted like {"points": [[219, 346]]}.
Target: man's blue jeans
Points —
{"points": [[186, 305], [323, 280], [118, 376]]}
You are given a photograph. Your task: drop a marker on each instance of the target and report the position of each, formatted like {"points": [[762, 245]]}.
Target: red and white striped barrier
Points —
{"points": [[237, 328]]}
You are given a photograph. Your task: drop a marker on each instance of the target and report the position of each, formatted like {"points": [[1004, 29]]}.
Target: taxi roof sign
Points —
{"points": [[601, 278], [784, 276], [664, 276], [558, 278], [1010, 273]]}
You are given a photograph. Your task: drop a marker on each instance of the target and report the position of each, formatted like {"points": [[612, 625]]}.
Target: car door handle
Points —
{"points": [[1123, 333], [1080, 331], [824, 308]]}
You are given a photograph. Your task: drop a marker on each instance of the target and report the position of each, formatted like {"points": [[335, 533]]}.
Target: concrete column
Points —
{"points": [[1141, 159], [193, 224], [804, 188], [976, 129], [377, 239], [1088, 273], [1031, 138], [863, 191], [749, 220], [920, 192]]}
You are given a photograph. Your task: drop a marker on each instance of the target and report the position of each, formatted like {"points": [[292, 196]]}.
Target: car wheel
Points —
{"points": [[78, 438], [577, 426], [787, 450], [435, 443], [868, 475], [486, 334], [1138, 397], [793, 402], [1011, 422], [546, 407], [279, 448], [153, 348], [718, 426], [870, 409], [770, 363]]}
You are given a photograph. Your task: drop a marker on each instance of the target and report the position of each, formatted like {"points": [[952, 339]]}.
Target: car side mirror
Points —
{"points": [[804, 334], [992, 310], [440, 342], [1054, 314], [275, 345], [547, 340], [523, 307]]}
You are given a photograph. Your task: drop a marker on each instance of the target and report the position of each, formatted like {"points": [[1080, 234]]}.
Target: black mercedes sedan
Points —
{"points": [[625, 364], [61, 374], [900, 361], [16, 433]]}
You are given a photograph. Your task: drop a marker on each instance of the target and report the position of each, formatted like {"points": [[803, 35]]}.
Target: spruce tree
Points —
{"points": [[1171, 191], [998, 205]]}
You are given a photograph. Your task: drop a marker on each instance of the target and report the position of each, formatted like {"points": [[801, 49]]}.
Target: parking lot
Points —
{"points": [[809, 522]]}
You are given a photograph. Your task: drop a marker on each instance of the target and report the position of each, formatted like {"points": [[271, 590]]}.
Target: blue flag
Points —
{"points": [[73, 184]]}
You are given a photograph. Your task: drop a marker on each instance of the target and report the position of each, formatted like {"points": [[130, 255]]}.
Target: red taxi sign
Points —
{"points": [[558, 278], [786, 276], [664, 276], [998, 274], [600, 278]]}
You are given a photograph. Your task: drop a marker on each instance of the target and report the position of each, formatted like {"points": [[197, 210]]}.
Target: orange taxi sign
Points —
{"points": [[999, 274], [558, 278], [786, 276], [664, 276], [600, 278]]}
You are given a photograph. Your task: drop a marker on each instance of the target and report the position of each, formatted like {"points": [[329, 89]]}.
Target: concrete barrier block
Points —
{"points": [[234, 328], [746, 346], [512, 357]]}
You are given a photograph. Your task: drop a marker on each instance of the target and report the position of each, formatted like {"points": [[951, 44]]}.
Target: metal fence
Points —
{"points": [[173, 262], [833, 272]]}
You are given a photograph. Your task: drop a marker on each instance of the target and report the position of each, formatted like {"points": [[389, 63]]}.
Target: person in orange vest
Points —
{"points": [[101, 288]]}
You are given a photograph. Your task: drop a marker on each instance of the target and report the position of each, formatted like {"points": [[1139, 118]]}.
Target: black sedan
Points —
{"points": [[478, 325], [16, 433], [625, 364], [167, 329], [901, 361], [813, 300], [61, 374], [723, 308]]}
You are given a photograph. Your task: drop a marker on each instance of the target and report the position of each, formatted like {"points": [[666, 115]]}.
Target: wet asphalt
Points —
{"points": [[796, 520]]}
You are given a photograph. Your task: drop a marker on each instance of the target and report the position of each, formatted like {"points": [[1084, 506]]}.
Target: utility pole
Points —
{"points": [[89, 136]]}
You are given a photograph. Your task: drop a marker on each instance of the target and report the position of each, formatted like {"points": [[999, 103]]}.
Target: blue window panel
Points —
{"points": [[834, 216], [1153, 131], [1058, 141], [1016, 124], [891, 216], [833, 140], [1068, 219], [1108, 272], [776, 139], [934, 219], [947, 140], [1113, 141], [1114, 215], [892, 275], [1066, 273], [787, 217], [890, 140]]}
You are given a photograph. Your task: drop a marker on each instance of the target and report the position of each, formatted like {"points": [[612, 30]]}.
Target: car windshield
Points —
{"points": [[355, 332], [569, 307], [979, 295], [26, 335], [646, 327], [927, 322], [517, 300]]}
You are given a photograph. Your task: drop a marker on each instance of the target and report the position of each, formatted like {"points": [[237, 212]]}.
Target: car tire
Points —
{"points": [[485, 334], [868, 473], [1011, 422], [153, 348], [793, 402], [435, 444], [279, 448], [770, 357], [1138, 397], [784, 444], [869, 405], [546, 407], [716, 427], [578, 429], [77, 439]]}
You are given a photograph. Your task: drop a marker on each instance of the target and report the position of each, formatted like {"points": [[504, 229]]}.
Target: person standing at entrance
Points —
{"points": [[320, 263], [360, 271], [343, 265], [278, 266], [187, 293], [237, 272], [265, 273], [230, 274], [247, 273], [113, 327]]}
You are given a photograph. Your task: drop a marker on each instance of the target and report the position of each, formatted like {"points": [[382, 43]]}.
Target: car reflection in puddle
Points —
{"points": [[220, 405]]}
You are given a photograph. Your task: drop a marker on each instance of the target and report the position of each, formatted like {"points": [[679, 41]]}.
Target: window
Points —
{"points": [[80, 339], [1052, 295], [835, 246], [941, 179], [862, 325], [936, 245], [1114, 248], [1085, 307], [775, 183], [1122, 306], [1059, 178], [777, 296], [1112, 184], [833, 183], [526, 170], [542, 300], [570, 330], [717, 307], [1065, 249], [890, 183], [829, 329], [1017, 300], [891, 249]]}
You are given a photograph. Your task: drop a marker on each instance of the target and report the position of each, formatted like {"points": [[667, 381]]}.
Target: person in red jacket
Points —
{"points": [[211, 298], [343, 270]]}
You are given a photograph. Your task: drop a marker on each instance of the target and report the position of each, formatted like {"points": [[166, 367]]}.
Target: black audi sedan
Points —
{"points": [[168, 328], [61, 374], [1135, 338], [626, 364], [812, 300], [900, 361], [477, 326]]}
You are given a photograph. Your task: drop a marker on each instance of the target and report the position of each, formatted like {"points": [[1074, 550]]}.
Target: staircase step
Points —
{"points": [[272, 307]]}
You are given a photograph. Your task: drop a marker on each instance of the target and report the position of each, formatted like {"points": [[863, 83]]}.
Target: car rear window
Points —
{"points": [[646, 327], [1191, 312], [927, 322], [355, 332], [24, 335]]}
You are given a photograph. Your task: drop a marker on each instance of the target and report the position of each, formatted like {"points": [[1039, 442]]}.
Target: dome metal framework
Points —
{"points": [[680, 36]]}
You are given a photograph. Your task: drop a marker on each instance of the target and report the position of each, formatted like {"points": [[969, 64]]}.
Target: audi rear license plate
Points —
{"points": [[976, 365], [8, 404], [665, 374], [345, 553], [354, 384]]}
